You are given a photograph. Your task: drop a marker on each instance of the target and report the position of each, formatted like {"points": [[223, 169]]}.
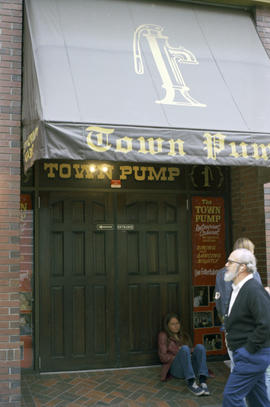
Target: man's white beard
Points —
{"points": [[230, 275]]}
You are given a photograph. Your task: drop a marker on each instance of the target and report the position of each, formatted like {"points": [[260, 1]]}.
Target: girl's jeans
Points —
{"points": [[187, 365]]}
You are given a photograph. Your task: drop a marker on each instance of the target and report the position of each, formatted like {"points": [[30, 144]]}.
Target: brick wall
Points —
{"points": [[10, 102], [267, 227], [248, 218], [262, 19]]}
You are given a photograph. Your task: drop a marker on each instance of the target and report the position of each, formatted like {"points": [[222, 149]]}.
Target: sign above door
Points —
{"points": [[129, 175]]}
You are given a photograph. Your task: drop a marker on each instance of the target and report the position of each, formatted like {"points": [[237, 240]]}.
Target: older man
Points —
{"points": [[223, 288], [247, 324]]}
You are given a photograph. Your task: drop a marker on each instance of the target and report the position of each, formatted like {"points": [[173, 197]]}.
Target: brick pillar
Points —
{"points": [[10, 122], [248, 219], [262, 18], [267, 227]]}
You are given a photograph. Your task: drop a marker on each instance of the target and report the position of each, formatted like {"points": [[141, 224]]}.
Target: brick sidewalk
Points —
{"points": [[139, 387]]}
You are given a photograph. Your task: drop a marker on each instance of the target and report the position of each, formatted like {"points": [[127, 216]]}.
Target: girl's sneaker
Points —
{"points": [[205, 388], [195, 389]]}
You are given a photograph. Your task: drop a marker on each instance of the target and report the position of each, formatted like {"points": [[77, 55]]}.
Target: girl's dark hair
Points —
{"points": [[167, 319]]}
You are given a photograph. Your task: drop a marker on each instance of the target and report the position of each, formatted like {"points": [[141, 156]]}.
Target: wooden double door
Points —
{"points": [[111, 264]]}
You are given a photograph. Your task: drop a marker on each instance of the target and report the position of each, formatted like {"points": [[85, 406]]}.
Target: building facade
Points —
{"points": [[244, 194]]}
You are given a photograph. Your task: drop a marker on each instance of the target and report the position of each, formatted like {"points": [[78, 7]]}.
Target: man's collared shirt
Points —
{"points": [[236, 289]]}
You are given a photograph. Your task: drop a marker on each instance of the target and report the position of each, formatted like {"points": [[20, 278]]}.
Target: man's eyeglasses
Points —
{"points": [[233, 261]]}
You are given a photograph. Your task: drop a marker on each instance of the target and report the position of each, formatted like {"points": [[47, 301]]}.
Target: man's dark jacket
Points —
{"points": [[223, 290], [248, 324]]}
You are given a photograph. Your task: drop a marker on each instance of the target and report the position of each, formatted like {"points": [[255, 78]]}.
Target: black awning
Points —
{"points": [[144, 81]]}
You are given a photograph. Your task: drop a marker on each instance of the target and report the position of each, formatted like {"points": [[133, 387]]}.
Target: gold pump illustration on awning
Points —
{"points": [[167, 59]]}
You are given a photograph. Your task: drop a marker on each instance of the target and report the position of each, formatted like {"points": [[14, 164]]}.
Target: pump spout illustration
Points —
{"points": [[167, 60]]}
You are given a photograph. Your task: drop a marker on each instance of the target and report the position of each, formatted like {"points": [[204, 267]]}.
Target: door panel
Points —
{"points": [[150, 284], [76, 282], [111, 265]]}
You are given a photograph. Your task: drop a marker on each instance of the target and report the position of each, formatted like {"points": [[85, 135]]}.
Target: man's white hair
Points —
{"points": [[245, 256]]}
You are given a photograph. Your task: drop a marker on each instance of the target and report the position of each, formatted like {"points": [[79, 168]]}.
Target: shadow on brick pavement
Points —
{"points": [[139, 387]]}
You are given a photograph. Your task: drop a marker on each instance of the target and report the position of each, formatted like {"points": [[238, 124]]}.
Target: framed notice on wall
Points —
{"points": [[208, 256]]}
